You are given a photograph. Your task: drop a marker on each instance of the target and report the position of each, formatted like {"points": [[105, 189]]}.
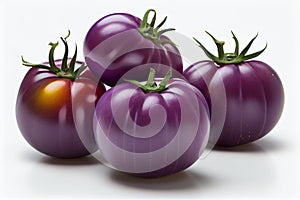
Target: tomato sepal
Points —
{"points": [[66, 70], [230, 58]]}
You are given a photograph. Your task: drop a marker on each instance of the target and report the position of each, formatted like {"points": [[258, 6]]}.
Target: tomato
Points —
{"points": [[152, 130], [119, 42], [253, 93], [55, 106]]}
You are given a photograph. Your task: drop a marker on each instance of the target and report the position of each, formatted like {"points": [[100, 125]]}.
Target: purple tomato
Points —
{"points": [[152, 130], [55, 106], [254, 95], [119, 42]]}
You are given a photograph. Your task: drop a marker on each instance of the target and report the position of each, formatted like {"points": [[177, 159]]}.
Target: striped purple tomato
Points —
{"points": [[152, 130], [119, 42], [254, 95], [55, 106]]}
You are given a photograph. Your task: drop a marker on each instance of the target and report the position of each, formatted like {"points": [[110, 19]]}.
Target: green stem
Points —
{"points": [[219, 44], [150, 81], [52, 64], [161, 23], [245, 50], [64, 64], [73, 60], [151, 85], [28, 64], [230, 58], [151, 32], [237, 46], [144, 23], [65, 71]]}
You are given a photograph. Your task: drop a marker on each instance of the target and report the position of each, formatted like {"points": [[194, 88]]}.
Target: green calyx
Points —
{"points": [[230, 58], [151, 85], [65, 71], [154, 33]]}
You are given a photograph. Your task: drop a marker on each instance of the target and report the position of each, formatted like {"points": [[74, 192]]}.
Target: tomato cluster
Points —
{"points": [[156, 119]]}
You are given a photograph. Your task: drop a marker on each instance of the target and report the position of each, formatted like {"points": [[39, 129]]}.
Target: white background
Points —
{"points": [[268, 168]]}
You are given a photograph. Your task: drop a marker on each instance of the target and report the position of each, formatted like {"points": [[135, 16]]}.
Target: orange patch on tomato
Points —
{"points": [[51, 97]]}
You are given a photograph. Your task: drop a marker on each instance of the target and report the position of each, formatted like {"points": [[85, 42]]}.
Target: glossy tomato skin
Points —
{"points": [[254, 97], [114, 45], [152, 134], [55, 114]]}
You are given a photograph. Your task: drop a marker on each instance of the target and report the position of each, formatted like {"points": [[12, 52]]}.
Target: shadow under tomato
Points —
{"points": [[260, 146], [87, 160], [184, 180]]}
